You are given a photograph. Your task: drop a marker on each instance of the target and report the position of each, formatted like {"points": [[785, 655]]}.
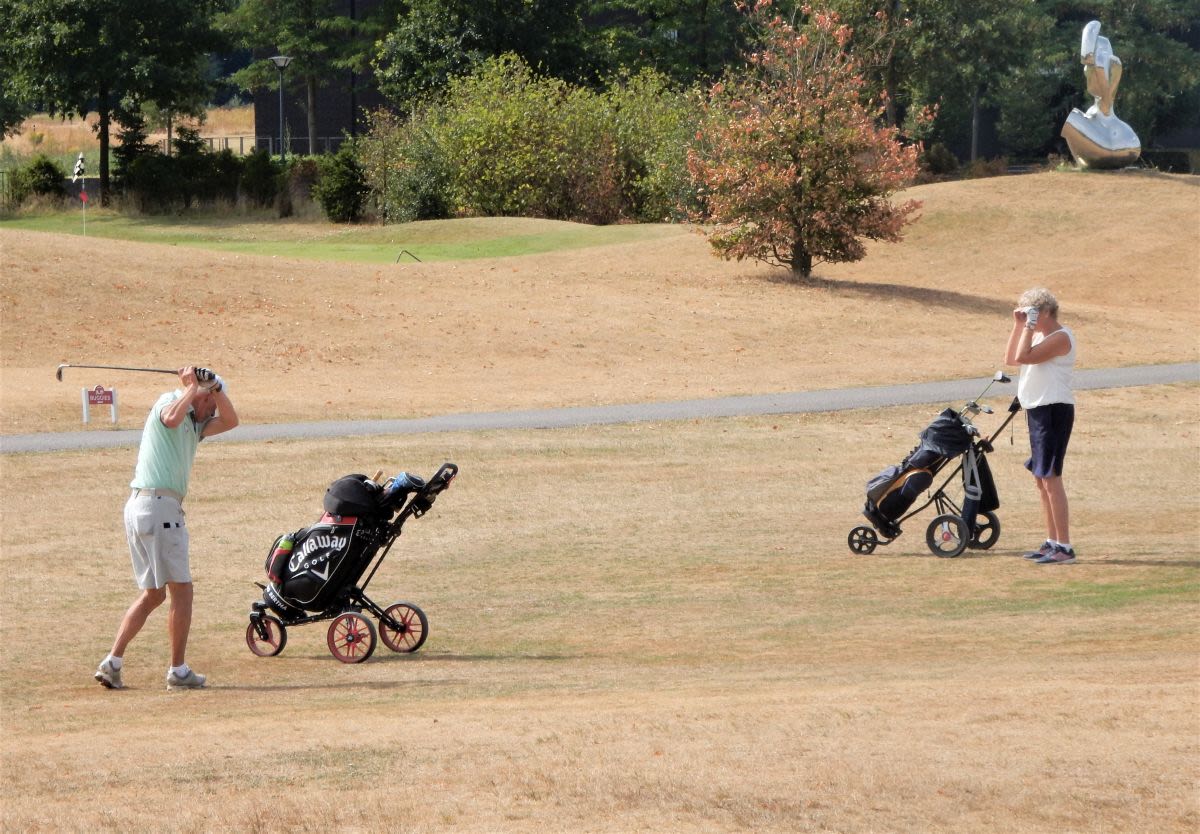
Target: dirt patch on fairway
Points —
{"points": [[655, 320]]}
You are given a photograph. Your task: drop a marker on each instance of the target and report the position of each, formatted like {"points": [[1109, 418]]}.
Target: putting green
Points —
{"points": [[431, 240]]}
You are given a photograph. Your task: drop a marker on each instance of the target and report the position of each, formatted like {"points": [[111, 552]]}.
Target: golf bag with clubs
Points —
{"points": [[951, 438], [317, 572]]}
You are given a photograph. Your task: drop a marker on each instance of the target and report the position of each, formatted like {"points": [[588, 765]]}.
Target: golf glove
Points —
{"points": [[1031, 317], [209, 380]]}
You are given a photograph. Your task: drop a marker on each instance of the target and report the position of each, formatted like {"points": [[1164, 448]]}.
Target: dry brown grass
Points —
{"points": [[645, 627], [55, 136], [650, 627], [662, 319]]}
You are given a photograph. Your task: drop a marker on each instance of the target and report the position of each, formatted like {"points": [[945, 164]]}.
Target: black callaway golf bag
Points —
{"points": [[330, 555], [317, 572]]}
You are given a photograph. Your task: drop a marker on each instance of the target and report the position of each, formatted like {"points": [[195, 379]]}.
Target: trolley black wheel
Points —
{"points": [[862, 540], [946, 536], [412, 631], [267, 637], [987, 534], [351, 637]]}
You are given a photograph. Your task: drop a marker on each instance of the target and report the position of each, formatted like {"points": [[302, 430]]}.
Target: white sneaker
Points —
{"points": [[191, 680], [109, 677]]}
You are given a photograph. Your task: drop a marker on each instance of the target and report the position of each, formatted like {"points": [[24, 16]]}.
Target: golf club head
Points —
{"points": [[58, 373]]}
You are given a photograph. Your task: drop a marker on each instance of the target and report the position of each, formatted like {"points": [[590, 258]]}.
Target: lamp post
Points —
{"points": [[280, 62]]}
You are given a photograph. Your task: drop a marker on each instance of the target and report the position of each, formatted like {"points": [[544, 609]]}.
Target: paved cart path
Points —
{"points": [[948, 392]]}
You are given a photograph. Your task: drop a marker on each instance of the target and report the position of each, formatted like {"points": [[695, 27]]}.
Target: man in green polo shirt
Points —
{"points": [[154, 518]]}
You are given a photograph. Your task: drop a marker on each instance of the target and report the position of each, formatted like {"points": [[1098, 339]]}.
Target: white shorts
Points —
{"points": [[158, 540]]}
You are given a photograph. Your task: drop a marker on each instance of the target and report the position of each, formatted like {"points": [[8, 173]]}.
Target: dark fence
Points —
{"points": [[242, 145]]}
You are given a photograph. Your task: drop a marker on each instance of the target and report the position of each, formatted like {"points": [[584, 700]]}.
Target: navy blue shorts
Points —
{"points": [[1049, 433]]}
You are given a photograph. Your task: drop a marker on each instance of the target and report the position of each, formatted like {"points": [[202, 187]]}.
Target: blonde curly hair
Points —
{"points": [[1041, 298]]}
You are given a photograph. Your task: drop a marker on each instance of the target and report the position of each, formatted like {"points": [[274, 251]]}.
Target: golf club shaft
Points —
{"points": [[58, 373]]}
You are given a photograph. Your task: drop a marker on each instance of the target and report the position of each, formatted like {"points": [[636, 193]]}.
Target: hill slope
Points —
{"points": [[657, 319]]}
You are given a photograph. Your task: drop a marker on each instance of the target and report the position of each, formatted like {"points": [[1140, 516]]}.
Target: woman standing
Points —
{"points": [[1045, 350]]}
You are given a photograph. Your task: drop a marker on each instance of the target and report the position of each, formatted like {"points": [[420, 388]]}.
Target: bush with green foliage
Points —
{"points": [[939, 160], [42, 177], [153, 183], [132, 145], [260, 179], [654, 125], [194, 175], [341, 188], [296, 183], [518, 142], [405, 167], [504, 141]]}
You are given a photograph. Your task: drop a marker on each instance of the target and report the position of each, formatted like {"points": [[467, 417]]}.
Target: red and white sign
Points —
{"points": [[100, 396]]}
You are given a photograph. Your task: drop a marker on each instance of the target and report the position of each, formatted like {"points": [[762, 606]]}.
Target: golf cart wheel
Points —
{"points": [[412, 631], [351, 637], [947, 536], [267, 637], [862, 540], [987, 534]]}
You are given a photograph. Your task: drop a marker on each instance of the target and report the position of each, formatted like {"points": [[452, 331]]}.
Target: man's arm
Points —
{"points": [[226, 417], [177, 411]]}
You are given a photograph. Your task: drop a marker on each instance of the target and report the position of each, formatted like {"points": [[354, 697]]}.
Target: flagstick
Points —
{"points": [[80, 173]]}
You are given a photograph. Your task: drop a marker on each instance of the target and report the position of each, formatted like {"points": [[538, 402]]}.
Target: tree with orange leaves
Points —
{"points": [[793, 167]]}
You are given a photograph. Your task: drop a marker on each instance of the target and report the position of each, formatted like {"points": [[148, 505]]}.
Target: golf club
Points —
{"points": [[58, 373]]}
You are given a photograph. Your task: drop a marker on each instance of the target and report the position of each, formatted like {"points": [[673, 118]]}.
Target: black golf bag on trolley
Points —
{"points": [[950, 440], [316, 573]]}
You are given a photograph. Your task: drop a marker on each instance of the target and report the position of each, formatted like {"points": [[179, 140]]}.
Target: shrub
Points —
{"points": [[42, 177], [194, 175], [405, 168], [940, 160], [523, 145], [225, 173], [300, 175], [131, 145], [1171, 162], [153, 183], [504, 141], [654, 125], [983, 168], [260, 179], [341, 189]]}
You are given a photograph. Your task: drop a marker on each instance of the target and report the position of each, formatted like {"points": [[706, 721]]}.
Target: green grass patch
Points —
{"points": [[1039, 597], [431, 240]]}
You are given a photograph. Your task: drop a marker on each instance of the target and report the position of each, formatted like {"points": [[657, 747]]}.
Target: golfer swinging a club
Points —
{"points": [[154, 518], [1045, 350]]}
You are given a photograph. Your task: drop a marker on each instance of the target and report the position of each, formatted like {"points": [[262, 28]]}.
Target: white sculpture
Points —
{"points": [[1097, 138]]}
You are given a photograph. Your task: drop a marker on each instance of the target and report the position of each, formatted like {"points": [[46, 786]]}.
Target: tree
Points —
{"points": [[436, 40], [76, 57], [14, 106], [794, 169], [313, 33], [322, 37], [683, 39], [963, 50]]}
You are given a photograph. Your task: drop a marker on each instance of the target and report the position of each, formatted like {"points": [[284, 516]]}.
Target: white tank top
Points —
{"points": [[1048, 382]]}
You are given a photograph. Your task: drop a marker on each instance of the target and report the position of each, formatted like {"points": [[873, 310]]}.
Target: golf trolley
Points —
{"points": [[314, 573], [952, 436]]}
